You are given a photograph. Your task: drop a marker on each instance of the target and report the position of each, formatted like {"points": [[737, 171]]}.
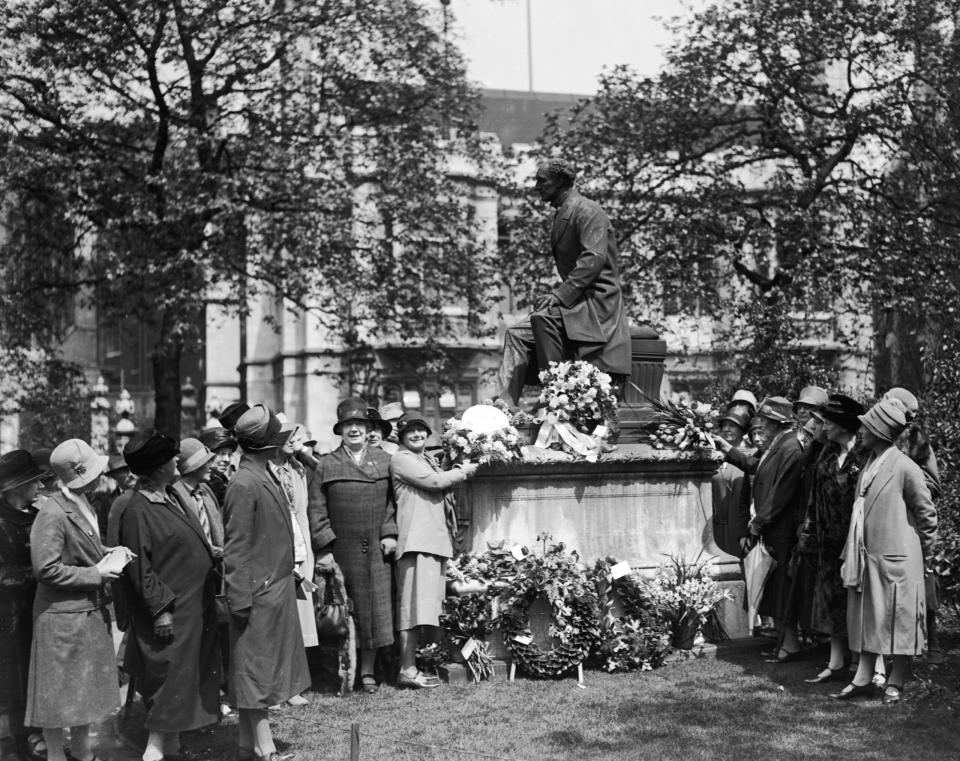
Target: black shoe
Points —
{"points": [[853, 691], [784, 656], [829, 675]]}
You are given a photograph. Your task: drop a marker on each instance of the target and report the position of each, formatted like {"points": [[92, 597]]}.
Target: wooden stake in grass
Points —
{"points": [[355, 742]]}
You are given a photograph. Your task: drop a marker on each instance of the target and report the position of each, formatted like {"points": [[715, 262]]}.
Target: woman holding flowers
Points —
{"points": [[424, 520]]}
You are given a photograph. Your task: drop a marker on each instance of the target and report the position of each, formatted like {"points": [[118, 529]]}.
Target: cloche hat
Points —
{"points": [[885, 420], [908, 400], [351, 408], [232, 413], [410, 419], [257, 429], [17, 467], [386, 427], [149, 450], [738, 418], [217, 438], [742, 395], [76, 464], [194, 454], [812, 396], [776, 408], [843, 411]]}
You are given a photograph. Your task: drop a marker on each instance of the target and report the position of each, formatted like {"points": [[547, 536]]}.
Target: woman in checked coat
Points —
{"points": [[352, 521]]}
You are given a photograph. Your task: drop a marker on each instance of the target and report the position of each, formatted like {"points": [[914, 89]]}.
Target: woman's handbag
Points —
{"points": [[333, 606]]}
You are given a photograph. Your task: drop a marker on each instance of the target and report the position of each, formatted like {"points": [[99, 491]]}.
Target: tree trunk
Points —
{"points": [[166, 385]]}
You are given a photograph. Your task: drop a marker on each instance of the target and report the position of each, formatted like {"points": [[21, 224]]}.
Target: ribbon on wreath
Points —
{"points": [[553, 430]]}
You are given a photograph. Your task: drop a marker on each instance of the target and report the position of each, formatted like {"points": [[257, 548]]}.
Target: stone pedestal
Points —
{"points": [[648, 353]]}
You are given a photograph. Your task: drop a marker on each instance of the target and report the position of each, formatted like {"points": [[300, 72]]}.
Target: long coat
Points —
{"points": [[268, 664], [822, 537], [17, 589], [584, 249], [731, 508], [777, 501], [351, 509], [173, 573], [73, 669], [211, 509], [888, 616]]}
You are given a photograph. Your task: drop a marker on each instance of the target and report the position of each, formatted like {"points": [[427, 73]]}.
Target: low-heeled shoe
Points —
{"points": [[867, 690]]}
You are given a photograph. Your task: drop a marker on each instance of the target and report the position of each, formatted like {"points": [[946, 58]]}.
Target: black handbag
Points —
{"points": [[333, 607]]}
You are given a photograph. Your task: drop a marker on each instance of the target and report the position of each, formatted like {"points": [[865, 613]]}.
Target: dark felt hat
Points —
{"points": [[149, 450], [737, 417], [231, 414], [218, 438], [386, 428], [17, 468], [42, 458], [116, 465], [408, 420], [257, 429], [352, 408], [843, 411]]}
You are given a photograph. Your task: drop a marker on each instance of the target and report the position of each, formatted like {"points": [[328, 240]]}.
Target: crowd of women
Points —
{"points": [[207, 564], [842, 497]]}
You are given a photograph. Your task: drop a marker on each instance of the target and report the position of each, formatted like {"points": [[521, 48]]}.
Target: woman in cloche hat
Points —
{"points": [[424, 521], [893, 529], [19, 483], [353, 521], [73, 670]]}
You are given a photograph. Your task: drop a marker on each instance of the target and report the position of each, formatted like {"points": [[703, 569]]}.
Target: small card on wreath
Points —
{"points": [[517, 551], [468, 647], [523, 639], [620, 570]]}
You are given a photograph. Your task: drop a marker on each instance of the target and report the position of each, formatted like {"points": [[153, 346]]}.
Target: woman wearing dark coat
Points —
{"points": [[893, 528], [352, 521], [268, 664], [73, 670], [169, 592], [824, 531], [19, 484], [776, 493]]}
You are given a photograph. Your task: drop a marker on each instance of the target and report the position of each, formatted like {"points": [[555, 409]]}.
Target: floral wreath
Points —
{"points": [[573, 605]]}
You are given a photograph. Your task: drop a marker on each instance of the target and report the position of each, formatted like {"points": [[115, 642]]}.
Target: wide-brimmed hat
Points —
{"points": [[149, 450], [812, 396], [257, 429], [232, 413], [907, 399], [885, 419], [742, 395], [194, 454], [76, 464], [843, 411], [776, 408], [17, 467], [738, 418], [217, 438], [409, 419], [42, 458], [386, 428], [352, 408]]}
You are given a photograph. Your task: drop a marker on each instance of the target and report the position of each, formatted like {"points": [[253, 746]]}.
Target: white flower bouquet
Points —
{"points": [[461, 443], [578, 393]]}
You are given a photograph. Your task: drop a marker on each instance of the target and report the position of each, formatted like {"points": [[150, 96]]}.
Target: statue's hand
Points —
{"points": [[545, 302]]}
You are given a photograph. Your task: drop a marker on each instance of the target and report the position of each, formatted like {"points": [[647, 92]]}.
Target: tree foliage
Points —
{"points": [[227, 148]]}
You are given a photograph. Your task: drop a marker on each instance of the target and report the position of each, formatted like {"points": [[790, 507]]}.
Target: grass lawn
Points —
{"points": [[735, 707]]}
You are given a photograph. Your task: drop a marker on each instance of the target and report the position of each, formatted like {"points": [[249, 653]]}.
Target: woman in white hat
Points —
{"points": [[892, 533], [73, 671]]}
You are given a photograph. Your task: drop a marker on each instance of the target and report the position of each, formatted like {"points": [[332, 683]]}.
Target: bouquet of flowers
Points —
{"points": [[515, 415], [682, 425], [685, 595], [461, 443], [578, 393]]}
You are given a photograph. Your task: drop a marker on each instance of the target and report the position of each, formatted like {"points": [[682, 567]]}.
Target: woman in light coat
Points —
{"points": [[891, 539], [73, 670], [423, 541]]}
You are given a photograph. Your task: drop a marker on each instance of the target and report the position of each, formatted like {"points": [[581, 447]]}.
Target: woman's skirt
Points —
{"points": [[421, 587], [73, 670]]}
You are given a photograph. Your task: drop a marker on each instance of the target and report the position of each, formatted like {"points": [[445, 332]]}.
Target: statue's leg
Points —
{"points": [[518, 348], [550, 339]]}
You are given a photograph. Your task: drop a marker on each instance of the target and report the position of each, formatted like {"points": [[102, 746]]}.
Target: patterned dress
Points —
{"points": [[824, 533]]}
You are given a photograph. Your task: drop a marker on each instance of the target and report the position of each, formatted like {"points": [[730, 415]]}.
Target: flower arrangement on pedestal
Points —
{"points": [[577, 402], [483, 435], [685, 595], [687, 426]]}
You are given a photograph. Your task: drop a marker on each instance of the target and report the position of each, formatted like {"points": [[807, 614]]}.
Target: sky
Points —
{"points": [[572, 40]]}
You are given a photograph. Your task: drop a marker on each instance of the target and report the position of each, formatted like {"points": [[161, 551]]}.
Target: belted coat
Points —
{"points": [[268, 664], [591, 300], [351, 509]]}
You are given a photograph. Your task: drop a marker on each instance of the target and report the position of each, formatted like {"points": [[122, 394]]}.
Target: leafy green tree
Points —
{"points": [[192, 148]]}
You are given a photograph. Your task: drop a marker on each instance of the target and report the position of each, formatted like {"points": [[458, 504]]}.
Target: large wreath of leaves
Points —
{"points": [[555, 575]]}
